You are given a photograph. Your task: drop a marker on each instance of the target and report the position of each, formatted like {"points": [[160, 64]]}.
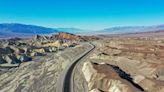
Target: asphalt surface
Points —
{"points": [[65, 82]]}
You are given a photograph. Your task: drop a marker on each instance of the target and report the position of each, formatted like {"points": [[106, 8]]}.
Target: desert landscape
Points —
{"points": [[81, 45], [126, 64], [36, 64], [66, 62]]}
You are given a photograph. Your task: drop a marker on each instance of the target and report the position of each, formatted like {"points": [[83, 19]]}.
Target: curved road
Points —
{"points": [[65, 83]]}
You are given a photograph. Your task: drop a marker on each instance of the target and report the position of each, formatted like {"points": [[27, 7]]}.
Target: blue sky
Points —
{"points": [[85, 14]]}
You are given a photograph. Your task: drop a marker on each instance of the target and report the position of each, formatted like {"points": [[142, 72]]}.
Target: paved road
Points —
{"points": [[65, 83], [77, 78]]}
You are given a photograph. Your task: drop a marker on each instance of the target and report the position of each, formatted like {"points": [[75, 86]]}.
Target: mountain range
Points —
{"points": [[14, 29], [8, 30], [131, 29], [23, 30]]}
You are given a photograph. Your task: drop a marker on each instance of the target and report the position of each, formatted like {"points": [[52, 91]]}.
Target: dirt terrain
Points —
{"points": [[34, 65], [115, 64], [41, 74], [127, 64]]}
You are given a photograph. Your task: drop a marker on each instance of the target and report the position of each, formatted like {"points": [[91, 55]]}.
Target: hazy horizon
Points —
{"points": [[83, 28]]}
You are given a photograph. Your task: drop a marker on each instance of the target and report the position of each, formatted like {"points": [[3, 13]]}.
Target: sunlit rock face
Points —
{"points": [[101, 77], [66, 36], [141, 58]]}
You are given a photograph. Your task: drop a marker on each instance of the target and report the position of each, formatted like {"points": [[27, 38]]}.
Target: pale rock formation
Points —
{"points": [[40, 38], [11, 59], [66, 44], [17, 50], [39, 50], [57, 43], [27, 49], [104, 78], [95, 90], [50, 49], [23, 58]]}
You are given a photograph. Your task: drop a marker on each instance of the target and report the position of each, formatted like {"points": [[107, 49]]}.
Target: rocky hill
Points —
{"points": [[67, 36]]}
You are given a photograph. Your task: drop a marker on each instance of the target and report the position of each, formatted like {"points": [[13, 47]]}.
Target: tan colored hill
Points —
{"points": [[66, 36]]}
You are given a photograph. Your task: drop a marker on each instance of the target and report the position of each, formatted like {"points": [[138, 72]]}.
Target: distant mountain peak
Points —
{"points": [[131, 29], [16, 29]]}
